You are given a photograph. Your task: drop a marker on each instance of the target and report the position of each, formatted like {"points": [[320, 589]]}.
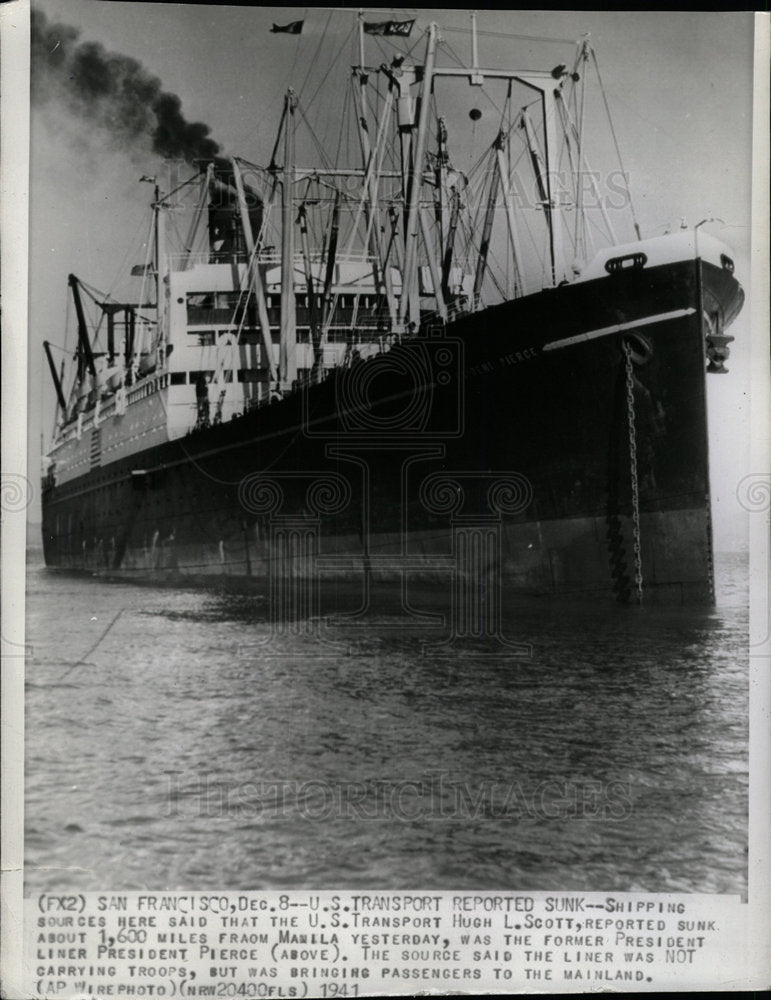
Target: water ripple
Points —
{"points": [[184, 754]]}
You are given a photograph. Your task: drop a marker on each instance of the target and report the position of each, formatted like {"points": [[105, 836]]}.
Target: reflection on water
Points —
{"points": [[167, 747]]}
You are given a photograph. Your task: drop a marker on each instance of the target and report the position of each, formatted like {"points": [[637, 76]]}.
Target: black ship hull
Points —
{"points": [[524, 441]]}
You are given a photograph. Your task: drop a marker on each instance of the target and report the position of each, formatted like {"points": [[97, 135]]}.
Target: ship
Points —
{"points": [[377, 366]]}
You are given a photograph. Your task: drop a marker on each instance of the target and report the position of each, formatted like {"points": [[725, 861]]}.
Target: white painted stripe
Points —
{"points": [[606, 331]]}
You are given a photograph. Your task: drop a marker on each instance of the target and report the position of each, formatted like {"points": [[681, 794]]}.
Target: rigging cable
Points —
{"points": [[315, 58], [332, 65], [615, 143], [121, 267], [504, 34], [317, 143]]}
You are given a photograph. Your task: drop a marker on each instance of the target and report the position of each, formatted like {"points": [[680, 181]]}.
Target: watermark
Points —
{"points": [[589, 190], [288, 508], [476, 503], [754, 492], [433, 797], [566, 190], [413, 394], [16, 492], [386, 424], [447, 528]]}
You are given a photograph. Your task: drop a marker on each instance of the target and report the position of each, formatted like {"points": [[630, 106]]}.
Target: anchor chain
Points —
{"points": [[638, 579]]}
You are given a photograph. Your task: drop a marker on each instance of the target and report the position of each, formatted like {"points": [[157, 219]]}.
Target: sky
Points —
{"points": [[679, 87]]}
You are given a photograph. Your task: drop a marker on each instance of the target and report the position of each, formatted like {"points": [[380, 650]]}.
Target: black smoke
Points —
{"points": [[114, 93]]}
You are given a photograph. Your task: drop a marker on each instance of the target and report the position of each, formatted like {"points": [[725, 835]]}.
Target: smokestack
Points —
{"points": [[226, 236]]}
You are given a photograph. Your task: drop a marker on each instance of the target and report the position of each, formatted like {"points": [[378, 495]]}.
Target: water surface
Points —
{"points": [[167, 748]]}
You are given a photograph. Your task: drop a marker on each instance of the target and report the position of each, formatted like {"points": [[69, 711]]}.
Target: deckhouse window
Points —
{"points": [[204, 308], [251, 374]]}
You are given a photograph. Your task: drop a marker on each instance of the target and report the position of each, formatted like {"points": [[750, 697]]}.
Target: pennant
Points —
{"points": [[389, 28], [293, 28]]}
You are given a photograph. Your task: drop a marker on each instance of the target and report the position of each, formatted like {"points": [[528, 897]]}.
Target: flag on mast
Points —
{"points": [[389, 28], [293, 28]]}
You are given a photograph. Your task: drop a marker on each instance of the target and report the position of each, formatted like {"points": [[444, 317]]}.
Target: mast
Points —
{"points": [[516, 251], [253, 261], [288, 347], [544, 179], [395, 243], [309, 285], [436, 278], [85, 355], [160, 269], [314, 327], [372, 212], [410, 300], [487, 228], [441, 180], [476, 77], [139, 343], [129, 335], [550, 155], [192, 232], [56, 379], [449, 243], [401, 78], [110, 337], [329, 276], [580, 231]]}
